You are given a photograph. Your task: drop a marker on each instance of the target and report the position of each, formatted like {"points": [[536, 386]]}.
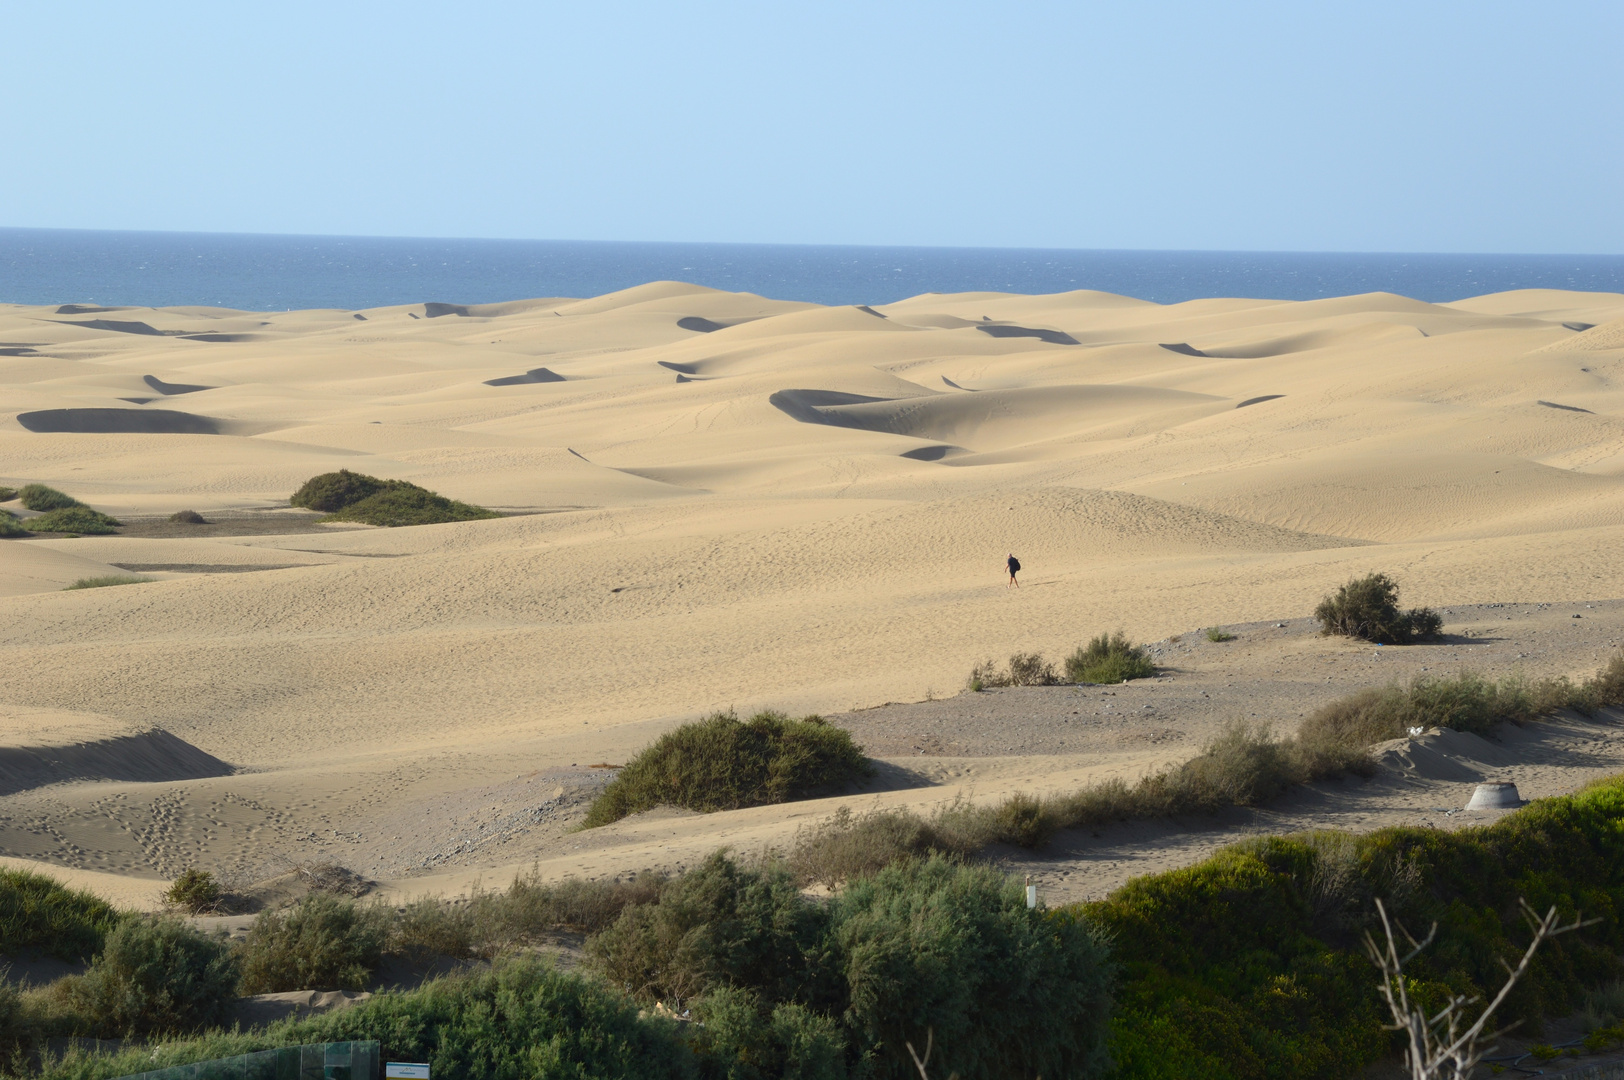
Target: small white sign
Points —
{"points": [[405, 1070]]}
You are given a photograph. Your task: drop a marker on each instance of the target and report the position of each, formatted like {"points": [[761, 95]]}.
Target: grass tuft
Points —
{"points": [[74, 519], [40, 498], [1218, 633], [1367, 608], [11, 525], [721, 763], [106, 580]]}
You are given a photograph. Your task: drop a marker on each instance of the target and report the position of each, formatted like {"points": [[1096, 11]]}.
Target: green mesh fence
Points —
{"points": [[313, 1061]]}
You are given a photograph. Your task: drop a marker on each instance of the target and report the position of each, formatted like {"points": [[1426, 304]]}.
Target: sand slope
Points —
{"points": [[722, 500]]}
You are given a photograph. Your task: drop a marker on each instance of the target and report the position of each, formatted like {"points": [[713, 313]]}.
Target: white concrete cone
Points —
{"points": [[1497, 795]]}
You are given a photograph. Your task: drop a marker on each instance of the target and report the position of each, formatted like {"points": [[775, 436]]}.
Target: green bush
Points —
{"points": [[944, 947], [336, 490], [1109, 658], [1249, 964], [749, 1039], [106, 580], [187, 517], [74, 519], [722, 764], [7, 494], [41, 498], [11, 525], [348, 496], [39, 913], [195, 891], [1218, 633], [518, 1020], [154, 976], [1367, 608], [408, 504], [721, 925], [323, 942]]}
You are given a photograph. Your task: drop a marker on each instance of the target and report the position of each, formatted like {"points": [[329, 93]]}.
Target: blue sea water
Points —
{"points": [[274, 272]]}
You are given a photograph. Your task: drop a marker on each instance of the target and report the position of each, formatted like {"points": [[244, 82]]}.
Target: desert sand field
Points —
{"points": [[714, 500]]}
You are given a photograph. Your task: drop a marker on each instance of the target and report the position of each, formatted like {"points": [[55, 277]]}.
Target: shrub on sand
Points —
{"points": [[74, 519], [7, 494], [195, 891], [721, 763], [40, 498], [154, 976], [1218, 633], [323, 942], [407, 504], [106, 580], [1025, 669], [11, 525], [336, 490], [348, 496], [1109, 658], [187, 517], [1367, 608]]}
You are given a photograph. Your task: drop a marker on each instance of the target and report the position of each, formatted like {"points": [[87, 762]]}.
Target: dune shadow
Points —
{"points": [[118, 422], [1258, 400], [534, 375], [1581, 327], [807, 406], [681, 369], [167, 388], [890, 775], [434, 309], [119, 326], [956, 386], [932, 453], [1566, 408], [699, 325], [153, 756], [1005, 330], [1182, 349], [83, 309]]}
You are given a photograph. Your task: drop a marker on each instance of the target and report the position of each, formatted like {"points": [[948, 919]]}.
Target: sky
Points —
{"points": [[1368, 126]]}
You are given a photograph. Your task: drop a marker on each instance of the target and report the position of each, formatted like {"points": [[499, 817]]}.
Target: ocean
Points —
{"points": [[275, 272]]}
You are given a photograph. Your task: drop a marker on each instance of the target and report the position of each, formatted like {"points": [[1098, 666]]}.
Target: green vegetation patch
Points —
{"points": [[324, 942], [408, 504], [1109, 659], [1218, 633], [41, 498], [11, 525], [721, 763], [105, 581], [1249, 965], [7, 494], [336, 490], [194, 891], [154, 976], [1367, 608], [74, 519], [349, 496], [37, 912]]}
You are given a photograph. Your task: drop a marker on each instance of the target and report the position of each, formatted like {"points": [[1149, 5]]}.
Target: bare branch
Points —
{"points": [[920, 1063]]}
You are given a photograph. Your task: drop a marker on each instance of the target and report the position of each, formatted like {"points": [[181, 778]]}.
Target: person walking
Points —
{"points": [[1014, 568]]}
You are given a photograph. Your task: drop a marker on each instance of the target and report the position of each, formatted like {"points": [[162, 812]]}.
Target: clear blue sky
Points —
{"points": [[1368, 126]]}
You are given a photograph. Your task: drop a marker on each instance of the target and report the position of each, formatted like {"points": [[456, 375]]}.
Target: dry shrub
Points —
{"points": [[195, 891], [1031, 669]]}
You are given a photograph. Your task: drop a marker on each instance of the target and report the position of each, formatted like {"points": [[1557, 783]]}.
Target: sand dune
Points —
{"points": [[722, 500]]}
